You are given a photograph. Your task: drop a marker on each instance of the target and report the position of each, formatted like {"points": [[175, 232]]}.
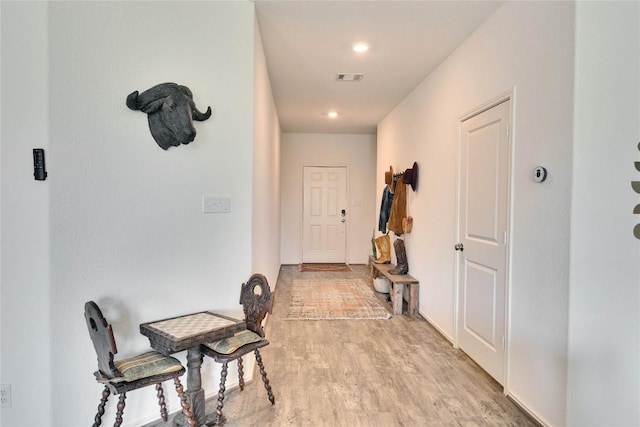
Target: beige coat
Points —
{"points": [[398, 208]]}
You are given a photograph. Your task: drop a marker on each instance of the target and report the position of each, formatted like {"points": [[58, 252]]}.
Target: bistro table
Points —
{"points": [[187, 333]]}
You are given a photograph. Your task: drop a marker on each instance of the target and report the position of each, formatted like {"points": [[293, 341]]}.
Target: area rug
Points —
{"points": [[334, 299], [324, 267]]}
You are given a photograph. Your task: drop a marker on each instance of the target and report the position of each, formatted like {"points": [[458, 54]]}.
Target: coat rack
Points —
{"points": [[410, 176]]}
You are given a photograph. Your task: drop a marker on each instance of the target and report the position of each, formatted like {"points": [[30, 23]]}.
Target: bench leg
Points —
{"points": [[413, 298], [374, 272], [396, 297]]}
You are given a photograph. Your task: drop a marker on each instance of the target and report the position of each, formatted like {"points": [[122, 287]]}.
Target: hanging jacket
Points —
{"points": [[385, 209]]}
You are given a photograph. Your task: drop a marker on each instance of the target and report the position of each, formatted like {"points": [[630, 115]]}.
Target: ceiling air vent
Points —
{"points": [[349, 77]]}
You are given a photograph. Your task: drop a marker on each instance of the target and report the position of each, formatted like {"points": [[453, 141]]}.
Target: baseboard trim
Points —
{"points": [[437, 328], [526, 410]]}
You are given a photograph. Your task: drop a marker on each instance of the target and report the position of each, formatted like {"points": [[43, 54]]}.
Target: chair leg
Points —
{"points": [[263, 373], [103, 402], [120, 410], [223, 378], [240, 374], [186, 408], [161, 402]]}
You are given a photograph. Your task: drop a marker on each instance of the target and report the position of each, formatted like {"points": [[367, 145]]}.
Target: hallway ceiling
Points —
{"points": [[307, 43]]}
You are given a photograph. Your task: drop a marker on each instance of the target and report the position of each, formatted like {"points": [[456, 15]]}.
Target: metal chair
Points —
{"points": [[132, 373], [256, 300]]}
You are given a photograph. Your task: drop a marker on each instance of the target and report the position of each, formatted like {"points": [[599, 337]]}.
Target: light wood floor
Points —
{"points": [[396, 372]]}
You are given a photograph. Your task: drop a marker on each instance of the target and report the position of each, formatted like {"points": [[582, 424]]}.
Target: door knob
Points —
{"points": [[343, 220], [459, 247]]}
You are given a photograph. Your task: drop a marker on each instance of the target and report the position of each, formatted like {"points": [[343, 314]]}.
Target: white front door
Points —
{"points": [[324, 215], [483, 220]]}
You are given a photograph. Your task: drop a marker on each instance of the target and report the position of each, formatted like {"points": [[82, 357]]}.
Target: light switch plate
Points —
{"points": [[216, 204], [5, 395]]}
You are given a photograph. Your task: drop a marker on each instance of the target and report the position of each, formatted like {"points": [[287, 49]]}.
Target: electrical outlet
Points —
{"points": [[5, 395]]}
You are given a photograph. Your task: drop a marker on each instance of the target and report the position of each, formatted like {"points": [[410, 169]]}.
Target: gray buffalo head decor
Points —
{"points": [[170, 109]]}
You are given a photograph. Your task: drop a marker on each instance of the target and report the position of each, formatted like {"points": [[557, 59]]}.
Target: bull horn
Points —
{"points": [[137, 101], [132, 100], [201, 117]]}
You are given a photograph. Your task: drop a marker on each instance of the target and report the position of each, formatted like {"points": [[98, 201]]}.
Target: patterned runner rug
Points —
{"points": [[324, 267], [334, 299]]}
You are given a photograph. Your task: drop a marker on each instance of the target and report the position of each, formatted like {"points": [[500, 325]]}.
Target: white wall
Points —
{"points": [[266, 173], [124, 224], [25, 282], [604, 345], [358, 152], [527, 46]]}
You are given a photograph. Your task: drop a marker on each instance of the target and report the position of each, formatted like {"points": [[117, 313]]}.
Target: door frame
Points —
{"points": [[301, 206], [509, 95]]}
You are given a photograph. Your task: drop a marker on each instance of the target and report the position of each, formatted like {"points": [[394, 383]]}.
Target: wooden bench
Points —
{"points": [[398, 283]]}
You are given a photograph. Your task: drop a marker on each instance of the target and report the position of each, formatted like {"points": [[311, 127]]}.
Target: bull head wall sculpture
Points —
{"points": [[170, 109]]}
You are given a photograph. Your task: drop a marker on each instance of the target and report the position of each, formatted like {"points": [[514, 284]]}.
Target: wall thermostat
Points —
{"points": [[539, 174]]}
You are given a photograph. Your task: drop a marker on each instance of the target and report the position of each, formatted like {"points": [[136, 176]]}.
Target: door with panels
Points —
{"points": [[483, 237], [324, 214]]}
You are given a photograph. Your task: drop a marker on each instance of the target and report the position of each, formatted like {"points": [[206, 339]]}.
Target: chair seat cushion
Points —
{"points": [[146, 365], [231, 344]]}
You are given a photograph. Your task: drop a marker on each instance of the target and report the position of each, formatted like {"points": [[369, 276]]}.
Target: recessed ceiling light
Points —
{"points": [[360, 47], [332, 114]]}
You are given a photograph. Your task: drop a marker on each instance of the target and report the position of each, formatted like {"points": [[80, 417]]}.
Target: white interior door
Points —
{"points": [[483, 216], [324, 215]]}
